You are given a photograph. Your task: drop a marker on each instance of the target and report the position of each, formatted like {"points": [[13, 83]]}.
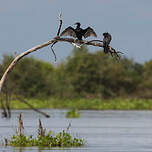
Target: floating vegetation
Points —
{"points": [[73, 114], [62, 139]]}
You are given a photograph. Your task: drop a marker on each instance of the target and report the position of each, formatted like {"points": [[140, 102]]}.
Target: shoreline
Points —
{"points": [[85, 104]]}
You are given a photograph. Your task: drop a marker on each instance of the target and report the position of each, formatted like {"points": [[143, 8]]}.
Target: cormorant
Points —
{"points": [[78, 32], [106, 41]]}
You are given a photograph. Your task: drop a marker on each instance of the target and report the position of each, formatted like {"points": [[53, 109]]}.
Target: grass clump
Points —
{"points": [[73, 114], [62, 139]]}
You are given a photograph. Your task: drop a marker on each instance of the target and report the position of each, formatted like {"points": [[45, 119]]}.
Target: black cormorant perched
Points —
{"points": [[78, 32], [106, 41]]}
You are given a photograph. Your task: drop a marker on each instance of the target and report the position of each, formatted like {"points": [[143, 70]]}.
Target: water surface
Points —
{"points": [[104, 131]]}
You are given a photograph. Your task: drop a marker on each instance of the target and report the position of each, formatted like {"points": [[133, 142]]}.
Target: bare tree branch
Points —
{"points": [[60, 24], [53, 42], [111, 50], [53, 50], [58, 33], [95, 41], [116, 53], [58, 39], [15, 61]]}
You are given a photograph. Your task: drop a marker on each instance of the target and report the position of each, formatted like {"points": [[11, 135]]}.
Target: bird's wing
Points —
{"points": [[110, 38], [69, 31], [89, 32]]}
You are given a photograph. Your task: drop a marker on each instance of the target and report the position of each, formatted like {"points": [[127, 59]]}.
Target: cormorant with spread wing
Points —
{"points": [[106, 41], [78, 32]]}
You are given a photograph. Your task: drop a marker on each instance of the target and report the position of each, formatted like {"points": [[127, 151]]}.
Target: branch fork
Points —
{"points": [[52, 42]]}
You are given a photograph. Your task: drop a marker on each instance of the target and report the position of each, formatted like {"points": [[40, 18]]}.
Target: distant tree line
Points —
{"points": [[83, 74]]}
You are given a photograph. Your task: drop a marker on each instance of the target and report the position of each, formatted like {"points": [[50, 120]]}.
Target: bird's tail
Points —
{"points": [[106, 49]]}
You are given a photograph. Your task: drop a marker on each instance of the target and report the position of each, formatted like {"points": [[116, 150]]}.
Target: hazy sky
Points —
{"points": [[26, 23]]}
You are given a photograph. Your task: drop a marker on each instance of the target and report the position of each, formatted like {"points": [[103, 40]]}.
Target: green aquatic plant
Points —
{"points": [[73, 114], [61, 139]]}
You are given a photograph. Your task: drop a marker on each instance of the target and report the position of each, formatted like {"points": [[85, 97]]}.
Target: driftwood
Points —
{"points": [[33, 108], [52, 41]]}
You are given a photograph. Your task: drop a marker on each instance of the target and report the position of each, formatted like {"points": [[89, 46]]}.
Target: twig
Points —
{"points": [[111, 50], [60, 24], [116, 53], [53, 50], [58, 33]]}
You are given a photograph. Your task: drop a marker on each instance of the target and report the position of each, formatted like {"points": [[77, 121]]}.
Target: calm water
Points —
{"points": [[104, 131]]}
